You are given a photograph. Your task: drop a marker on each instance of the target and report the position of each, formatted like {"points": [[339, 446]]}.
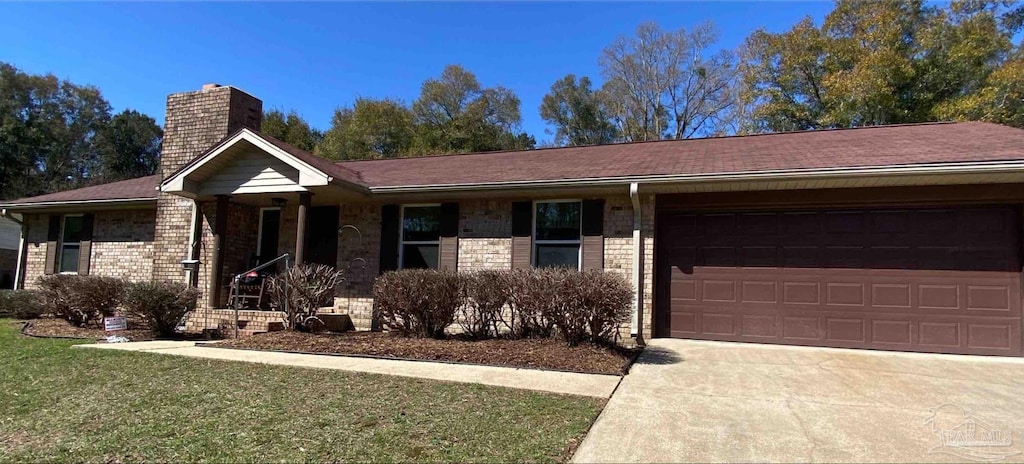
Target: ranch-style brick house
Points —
{"points": [[898, 237]]}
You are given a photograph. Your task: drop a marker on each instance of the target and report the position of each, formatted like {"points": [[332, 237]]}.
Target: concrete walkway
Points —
{"points": [[693, 401], [600, 386]]}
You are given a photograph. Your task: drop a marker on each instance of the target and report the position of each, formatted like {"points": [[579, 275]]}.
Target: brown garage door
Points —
{"points": [[937, 280]]}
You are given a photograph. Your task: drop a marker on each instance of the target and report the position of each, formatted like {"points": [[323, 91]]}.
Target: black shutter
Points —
{"points": [[85, 246], [448, 254], [593, 234], [52, 239], [389, 230], [522, 232]]}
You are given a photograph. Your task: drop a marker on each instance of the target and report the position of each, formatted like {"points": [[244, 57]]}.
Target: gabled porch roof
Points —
{"points": [[249, 162]]}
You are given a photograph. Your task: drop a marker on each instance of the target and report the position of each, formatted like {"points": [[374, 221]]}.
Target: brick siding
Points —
{"points": [[485, 230], [122, 245], [194, 122]]}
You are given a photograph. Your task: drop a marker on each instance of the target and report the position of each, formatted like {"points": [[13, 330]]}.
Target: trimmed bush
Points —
{"points": [[21, 304], [529, 292], [589, 306], [419, 302], [486, 296], [306, 288], [81, 300], [161, 305]]}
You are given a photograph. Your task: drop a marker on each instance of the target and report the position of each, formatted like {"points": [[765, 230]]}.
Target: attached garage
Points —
{"points": [[937, 278]]}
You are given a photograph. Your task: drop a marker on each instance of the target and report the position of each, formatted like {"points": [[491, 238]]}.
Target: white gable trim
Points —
{"points": [[309, 176]]}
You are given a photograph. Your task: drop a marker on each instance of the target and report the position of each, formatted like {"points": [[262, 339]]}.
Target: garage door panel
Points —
{"points": [[895, 332], [890, 295], [990, 336], [802, 328], [855, 279], [940, 292]]}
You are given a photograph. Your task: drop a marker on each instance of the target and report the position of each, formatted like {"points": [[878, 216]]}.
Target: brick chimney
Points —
{"points": [[197, 120], [194, 122]]}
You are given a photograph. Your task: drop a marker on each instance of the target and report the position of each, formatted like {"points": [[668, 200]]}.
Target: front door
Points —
{"points": [[269, 234], [322, 236]]}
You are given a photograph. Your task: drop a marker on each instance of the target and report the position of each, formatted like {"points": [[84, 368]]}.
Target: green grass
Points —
{"points": [[60, 404]]}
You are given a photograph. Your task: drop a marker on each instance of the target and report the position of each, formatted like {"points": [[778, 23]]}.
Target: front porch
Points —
{"points": [[254, 201]]}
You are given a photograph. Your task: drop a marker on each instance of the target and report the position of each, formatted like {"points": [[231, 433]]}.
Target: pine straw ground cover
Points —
{"points": [[65, 405], [53, 327], [539, 353]]}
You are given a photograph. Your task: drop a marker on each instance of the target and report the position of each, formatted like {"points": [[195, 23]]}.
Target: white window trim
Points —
{"points": [[401, 233], [60, 245], [536, 241], [259, 231]]}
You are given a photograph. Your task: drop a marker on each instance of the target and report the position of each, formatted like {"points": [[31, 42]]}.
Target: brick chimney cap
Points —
{"points": [[210, 86]]}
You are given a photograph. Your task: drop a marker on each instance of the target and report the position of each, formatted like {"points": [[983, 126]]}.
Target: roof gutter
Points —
{"points": [[50, 204], [989, 167]]}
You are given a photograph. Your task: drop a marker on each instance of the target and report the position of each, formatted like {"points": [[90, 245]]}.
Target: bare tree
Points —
{"points": [[667, 84]]}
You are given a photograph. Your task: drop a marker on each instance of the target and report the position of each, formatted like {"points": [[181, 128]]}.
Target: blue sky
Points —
{"points": [[317, 56]]}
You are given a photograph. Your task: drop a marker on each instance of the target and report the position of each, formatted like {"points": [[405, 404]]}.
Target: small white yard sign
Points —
{"points": [[112, 324]]}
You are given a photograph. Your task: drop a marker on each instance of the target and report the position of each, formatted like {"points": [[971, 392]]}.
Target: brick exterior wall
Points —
{"points": [[35, 248], [647, 237], [359, 257], [485, 231], [194, 122], [122, 245]]}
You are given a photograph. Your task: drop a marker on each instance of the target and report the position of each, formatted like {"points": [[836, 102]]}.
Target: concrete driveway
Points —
{"points": [[695, 401]]}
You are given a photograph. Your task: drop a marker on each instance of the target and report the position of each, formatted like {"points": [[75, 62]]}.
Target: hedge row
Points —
{"points": [[21, 304], [578, 306], [86, 300]]}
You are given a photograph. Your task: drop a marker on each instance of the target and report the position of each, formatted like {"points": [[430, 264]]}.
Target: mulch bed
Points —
{"points": [[530, 353], [52, 327]]}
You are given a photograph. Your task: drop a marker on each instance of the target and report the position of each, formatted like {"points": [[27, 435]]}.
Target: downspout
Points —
{"points": [[18, 262], [192, 271], [638, 265]]}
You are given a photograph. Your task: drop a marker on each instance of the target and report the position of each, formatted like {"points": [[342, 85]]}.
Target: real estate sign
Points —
{"points": [[111, 324]]}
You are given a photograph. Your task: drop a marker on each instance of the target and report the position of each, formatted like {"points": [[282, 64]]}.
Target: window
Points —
{"points": [[556, 235], [419, 243], [70, 244]]}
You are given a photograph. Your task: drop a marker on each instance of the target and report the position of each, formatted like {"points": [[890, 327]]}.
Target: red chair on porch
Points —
{"points": [[248, 292]]}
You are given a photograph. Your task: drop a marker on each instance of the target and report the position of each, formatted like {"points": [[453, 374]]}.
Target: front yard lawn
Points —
{"points": [[538, 353], [59, 404]]}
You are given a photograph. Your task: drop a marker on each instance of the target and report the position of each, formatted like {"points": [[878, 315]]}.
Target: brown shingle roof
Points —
{"points": [[140, 188], [326, 166], [869, 146], [863, 147]]}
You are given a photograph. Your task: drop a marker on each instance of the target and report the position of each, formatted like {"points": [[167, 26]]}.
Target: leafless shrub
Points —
{"points": [[486, 297], [420, 302], [306, 288], [589, 306], [160, 304], [21, 304], [82, 300], [528, 292]]}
